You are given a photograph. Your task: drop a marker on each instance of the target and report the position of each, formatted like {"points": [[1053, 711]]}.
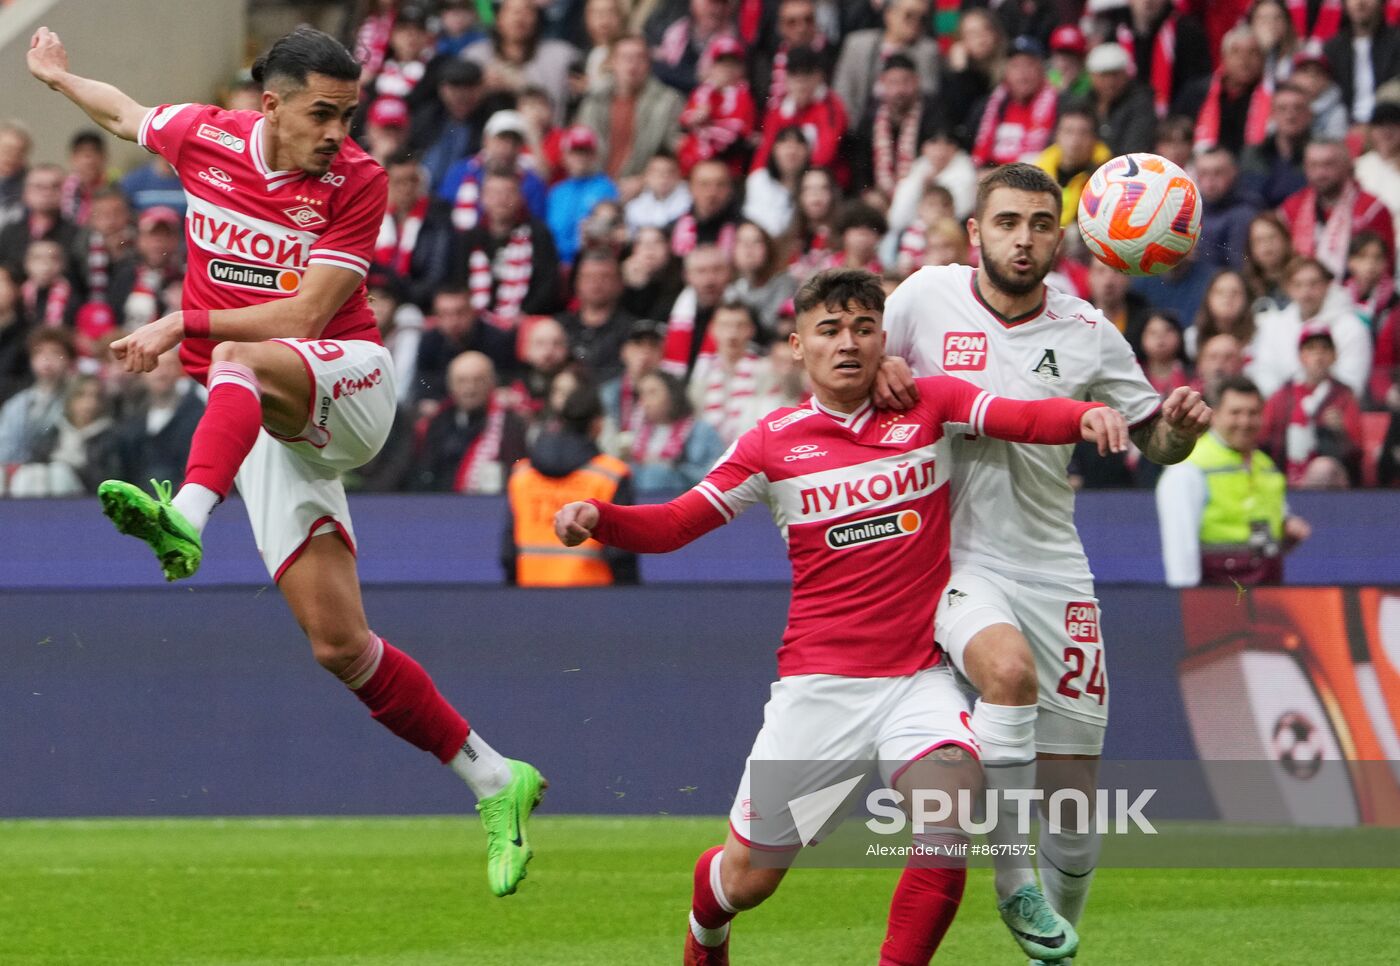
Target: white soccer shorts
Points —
{"points": [[1062, 625], [292, 487], [818, 725]]}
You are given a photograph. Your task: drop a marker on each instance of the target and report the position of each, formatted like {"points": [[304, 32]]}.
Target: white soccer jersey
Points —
{"points": [[1013, 507]]}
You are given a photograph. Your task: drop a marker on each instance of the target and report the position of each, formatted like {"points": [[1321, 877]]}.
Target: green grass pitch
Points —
{"points": [[412, 892]]}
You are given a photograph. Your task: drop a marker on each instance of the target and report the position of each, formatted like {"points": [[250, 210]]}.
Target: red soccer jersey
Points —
{"points": [[863, 502], [250, 231]]}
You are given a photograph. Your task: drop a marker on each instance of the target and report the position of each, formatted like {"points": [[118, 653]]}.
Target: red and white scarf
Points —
{"points": [[510, 270], [395, 244], [1300, 436], [729, 117], [1371, 306], [727, 394], [1163, 61], [661, 444], [54, 311], [686, 235], [99, 262], [1331, 248], [398, 79], [480, 469], [76, 199], [1329, 21], [894, 159], [1256, 122], [777, 87], [466, 206], [1033, 137], [372, 41]]}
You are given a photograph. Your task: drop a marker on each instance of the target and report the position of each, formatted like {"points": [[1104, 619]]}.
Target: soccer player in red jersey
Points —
{"points": [[283, 214], [862, 498]]}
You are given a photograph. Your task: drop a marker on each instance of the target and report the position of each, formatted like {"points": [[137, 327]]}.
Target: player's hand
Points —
{"points": [[1186, 413], [894, 385], [141, 351], [1295, 531], [48, 61], [575, 522], [1107, 427]]}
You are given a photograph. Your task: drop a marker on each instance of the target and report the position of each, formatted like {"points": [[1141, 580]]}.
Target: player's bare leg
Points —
{"points": [[930, 889], [1068, 856], [726, 883], [999, 663]]}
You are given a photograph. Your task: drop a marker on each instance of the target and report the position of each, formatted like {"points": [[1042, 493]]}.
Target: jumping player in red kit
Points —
{"points": [[283, 212], [862, 499]]}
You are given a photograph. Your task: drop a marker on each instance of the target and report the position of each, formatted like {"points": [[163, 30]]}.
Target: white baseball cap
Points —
{"points": [[507, 122], [1106, 58]]}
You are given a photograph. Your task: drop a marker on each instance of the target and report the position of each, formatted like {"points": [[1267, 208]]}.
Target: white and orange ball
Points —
{"points": [[1140, 214]]}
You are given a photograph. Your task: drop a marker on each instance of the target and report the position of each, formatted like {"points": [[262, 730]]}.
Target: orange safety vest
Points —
{"points": [[541, 560]]}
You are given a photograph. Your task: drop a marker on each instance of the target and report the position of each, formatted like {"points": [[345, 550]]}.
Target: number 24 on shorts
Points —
{"points": [[1077, 659]]}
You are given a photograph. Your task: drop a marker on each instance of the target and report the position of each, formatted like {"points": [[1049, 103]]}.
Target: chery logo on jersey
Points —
{"points": [[873, 529], [221, 137], [1082, 621], [218, 177], [807, 451], [282, 281], [964, 351], [304, 216], [901, 433]]}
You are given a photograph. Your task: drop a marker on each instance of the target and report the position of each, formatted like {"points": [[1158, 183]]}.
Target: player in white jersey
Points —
{"points": [[1019, 616]]}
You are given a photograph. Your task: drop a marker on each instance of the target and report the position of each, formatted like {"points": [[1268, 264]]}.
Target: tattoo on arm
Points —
{"points": [[1160, 443]]}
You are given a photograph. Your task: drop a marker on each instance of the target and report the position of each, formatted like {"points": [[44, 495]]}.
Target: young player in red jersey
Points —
{"points": [[862, 498], [283, 214]]}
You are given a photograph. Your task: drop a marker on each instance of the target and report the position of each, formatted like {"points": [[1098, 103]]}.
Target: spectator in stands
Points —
{"points": [[604, 23], [1271, 21], [502, 148], [719, 117], [386, 128], [458, 27], [1018, 119], [1222, 512], [154, 184], [544, 352], [810, 105], [137, 291], [1378, 170], [372, 36], [78, 453], [597, 329], [1174, 141], [1273, 169], [1385, 368], [652, 277], [884, 145], [515, 56], [1226, 210], [1226, 308], [864, 52], [565, 464], [1312, 74], [676, 59], [796, 27], [1221, 357], [1324, 216], [41, 217], [974, 67], [671, 450], [471, 442], [1110, 292], [87, 174], [415, 235], [14, 335], [573, 199], [942, 164], [153, 439], [707, 275], [770, 192], [1267, 253], [811, 236], [1161, 350], [400, 327], [641, 354], [760, 278], [713, 216], [456, 328], [1364, 54], [404, 72], [508, 260], [1179, 290], [727, 384], [30, 416], [15, 146], [49, 298], [105, 244], [1232, 104], [1371, 287], [664, 196], [1075, 154], [1312, 425], [1121, 104], [859, 228], [1169, 49], [447, 130], [634, 115], [1273, 355], [945, 243], [1066, 70]]}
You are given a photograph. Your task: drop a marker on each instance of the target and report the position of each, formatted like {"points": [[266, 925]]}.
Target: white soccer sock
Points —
{"points": [[480, 766], [1006, 735], [195, 503], [708, 937], [1067, 862]]}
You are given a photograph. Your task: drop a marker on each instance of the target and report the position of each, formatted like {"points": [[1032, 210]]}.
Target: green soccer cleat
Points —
{"points": [[505, 814], [1041, 932], [154, 520], [1067, 961]]}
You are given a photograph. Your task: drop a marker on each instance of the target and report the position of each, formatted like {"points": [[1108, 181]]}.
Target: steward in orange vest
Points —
{"points": [[565, 465]]}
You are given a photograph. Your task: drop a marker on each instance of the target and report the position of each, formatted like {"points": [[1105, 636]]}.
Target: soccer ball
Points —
{"points": [[1140, 214], [1297, 745]]}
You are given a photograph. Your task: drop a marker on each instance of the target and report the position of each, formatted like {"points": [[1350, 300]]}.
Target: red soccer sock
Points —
{"points": [[923, 907], [228, 429], [401, 697], [708, 906]]}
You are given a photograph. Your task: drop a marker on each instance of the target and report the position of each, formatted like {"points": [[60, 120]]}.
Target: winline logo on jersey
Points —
{"points": [[283, 281], [842, 536]]}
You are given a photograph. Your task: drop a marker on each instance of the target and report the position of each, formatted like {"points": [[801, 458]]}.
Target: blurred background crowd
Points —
{"points": [[616, 200]]}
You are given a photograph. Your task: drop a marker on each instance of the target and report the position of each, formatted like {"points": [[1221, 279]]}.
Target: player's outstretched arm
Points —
{"points": [[109, 107], [574, 523], [653, 528], [1170, 435], [1054, 421]]}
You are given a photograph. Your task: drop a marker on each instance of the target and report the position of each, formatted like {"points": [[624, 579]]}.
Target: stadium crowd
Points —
{"points": [[624, 196]]}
